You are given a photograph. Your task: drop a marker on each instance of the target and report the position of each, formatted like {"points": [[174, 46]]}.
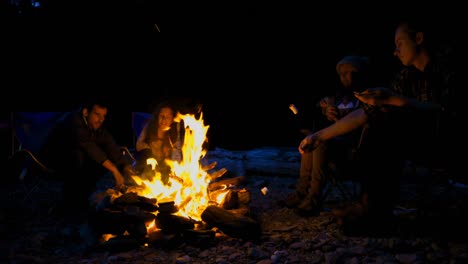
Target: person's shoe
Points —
{"points": [[308, 207], [293, 200]]}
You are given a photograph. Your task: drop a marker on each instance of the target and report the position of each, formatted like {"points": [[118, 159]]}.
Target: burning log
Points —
{"points": [[222, 184], [185, 202], [131, 198], [170, 223], [176, 178], [230, 201], [217, 174], [210, 166], [213, 195], [117, 222], [230, 223]]}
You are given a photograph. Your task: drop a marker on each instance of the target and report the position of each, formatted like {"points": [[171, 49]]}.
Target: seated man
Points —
{"points": [[412, 118], [82, 150]]}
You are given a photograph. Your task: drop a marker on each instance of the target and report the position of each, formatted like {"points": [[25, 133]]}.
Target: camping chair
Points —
{"points": [[139, 120], [29, 131], [27, 172], [340, 186], [343, 181]]}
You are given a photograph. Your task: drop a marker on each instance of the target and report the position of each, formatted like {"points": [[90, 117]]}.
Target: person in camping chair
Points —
{"points": [[354, 75], [413, 118], [161, 139], [82, 151]]}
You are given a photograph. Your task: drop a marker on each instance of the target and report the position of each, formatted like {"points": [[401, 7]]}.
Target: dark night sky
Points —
{"points": [[245, 62]]}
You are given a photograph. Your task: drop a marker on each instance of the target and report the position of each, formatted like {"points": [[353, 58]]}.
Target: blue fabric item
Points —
{"points": [[32, 128], [139, 120]]}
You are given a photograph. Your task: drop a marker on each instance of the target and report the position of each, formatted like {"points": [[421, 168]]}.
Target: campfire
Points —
{"points": [[187, 185], [194, 205]]}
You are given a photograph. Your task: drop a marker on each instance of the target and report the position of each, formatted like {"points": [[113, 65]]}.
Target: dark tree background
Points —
{"points": [[245, 62]]}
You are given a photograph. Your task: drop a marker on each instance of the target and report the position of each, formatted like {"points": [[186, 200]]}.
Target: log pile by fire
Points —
{"points": [[193, 206]]}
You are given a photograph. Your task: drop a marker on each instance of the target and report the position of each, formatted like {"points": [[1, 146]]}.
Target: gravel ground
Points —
{"points": [[431, 229]]}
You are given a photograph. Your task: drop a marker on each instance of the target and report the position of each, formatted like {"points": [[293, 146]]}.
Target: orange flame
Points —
{"points": [[187, 187]]}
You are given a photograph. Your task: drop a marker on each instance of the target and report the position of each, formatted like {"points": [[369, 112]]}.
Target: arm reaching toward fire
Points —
{"points": [[353, 120], [119, 179]]}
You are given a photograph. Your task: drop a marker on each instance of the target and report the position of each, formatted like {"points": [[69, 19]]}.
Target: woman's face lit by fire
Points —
{"points": [[165, 118]]}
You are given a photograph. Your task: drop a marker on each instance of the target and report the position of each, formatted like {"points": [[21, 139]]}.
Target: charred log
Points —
{"points": [[170, 223], [231, 224], [131, 198], [108, 221], [244, 197], [198, 237], [132, 220], [168, 207], [161, 239], [240, 211], [135, 213]]}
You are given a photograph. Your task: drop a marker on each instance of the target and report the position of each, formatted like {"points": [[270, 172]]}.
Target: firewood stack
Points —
{"points": [[126, 219]]}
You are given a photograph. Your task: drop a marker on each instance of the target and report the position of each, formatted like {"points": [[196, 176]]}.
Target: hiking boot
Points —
{"points": [[292, 200], [308, 207]]}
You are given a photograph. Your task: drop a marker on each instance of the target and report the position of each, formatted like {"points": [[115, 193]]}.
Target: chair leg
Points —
{"points": [[345, 194]]}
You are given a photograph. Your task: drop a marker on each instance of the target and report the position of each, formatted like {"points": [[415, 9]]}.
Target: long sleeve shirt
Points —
{"points": [[73, 143]]}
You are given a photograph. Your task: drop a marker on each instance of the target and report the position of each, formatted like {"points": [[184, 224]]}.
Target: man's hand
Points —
{"points": [[309, 143], [128, 171], [119, 180]]}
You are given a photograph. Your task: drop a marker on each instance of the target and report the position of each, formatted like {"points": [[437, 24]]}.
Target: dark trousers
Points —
{"points": [[315, 165], [79, 185], [380, 161]]}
